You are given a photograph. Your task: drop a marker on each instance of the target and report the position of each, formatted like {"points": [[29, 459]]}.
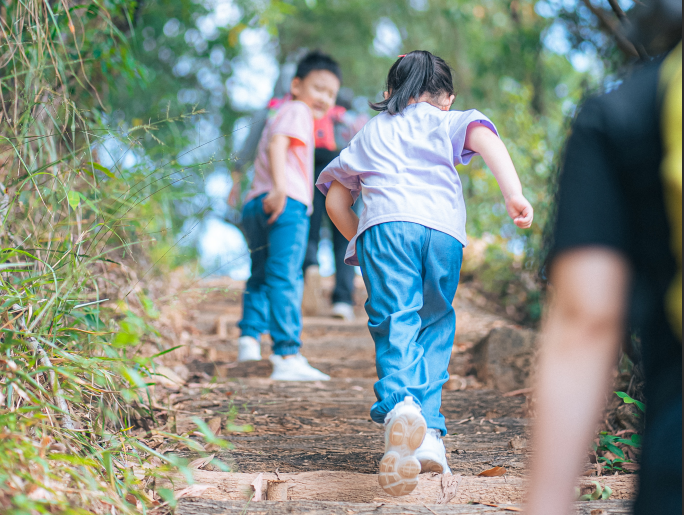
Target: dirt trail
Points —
{"points": [[319, 437]]}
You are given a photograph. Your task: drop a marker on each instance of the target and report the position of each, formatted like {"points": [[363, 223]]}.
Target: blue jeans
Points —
{"points": [[273, 297], [411, 274]]}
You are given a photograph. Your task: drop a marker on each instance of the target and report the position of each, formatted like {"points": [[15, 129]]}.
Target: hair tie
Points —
{"points": [[402, 56]]}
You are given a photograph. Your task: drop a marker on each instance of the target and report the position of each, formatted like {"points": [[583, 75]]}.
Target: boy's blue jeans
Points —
{"points": [[411, 274], [273, 297]]}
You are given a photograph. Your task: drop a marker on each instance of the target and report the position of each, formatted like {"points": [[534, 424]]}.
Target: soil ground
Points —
{"points": [[319, 437]]}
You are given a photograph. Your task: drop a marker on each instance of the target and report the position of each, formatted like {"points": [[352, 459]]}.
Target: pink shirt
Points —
{"points": [[295, 120]]}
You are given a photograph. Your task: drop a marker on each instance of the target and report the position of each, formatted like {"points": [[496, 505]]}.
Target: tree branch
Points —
{"points": [[618, 11], [614, 29]]}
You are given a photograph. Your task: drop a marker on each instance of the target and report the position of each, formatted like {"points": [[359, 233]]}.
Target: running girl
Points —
{"points": [[409, 243]]}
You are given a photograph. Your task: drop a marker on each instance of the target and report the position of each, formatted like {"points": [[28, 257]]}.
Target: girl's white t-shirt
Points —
{"points": [[405, 166]]}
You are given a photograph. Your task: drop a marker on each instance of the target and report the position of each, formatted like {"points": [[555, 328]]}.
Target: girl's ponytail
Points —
{"points": [[413, 75]]}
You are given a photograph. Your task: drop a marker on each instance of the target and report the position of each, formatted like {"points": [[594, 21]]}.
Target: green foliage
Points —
{"points": [[598, 492], [71, 375], [502, 68], [614, 444], [628, 400]]}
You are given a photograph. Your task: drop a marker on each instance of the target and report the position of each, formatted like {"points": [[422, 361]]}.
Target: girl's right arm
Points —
{"points": [[482, 140], [339, 204]]}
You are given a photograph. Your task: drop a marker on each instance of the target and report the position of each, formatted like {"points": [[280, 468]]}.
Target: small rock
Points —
{"points": [[503, 360], [182, 371], [518, 443], [455, 384]]}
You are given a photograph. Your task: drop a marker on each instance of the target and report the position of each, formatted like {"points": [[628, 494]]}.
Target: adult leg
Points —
{"points": [[315, 228], [391, 259], [322, 158], [442, 259], [287, 239], [255, 305], [344, 274]]}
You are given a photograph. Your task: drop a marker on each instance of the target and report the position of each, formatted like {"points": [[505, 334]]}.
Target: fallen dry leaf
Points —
{"points": [[449, 488], [191, 491], [517, 443], [599, 512], [200, 463], [258, 485], [515, 393], [215, 425], [493, 472]]}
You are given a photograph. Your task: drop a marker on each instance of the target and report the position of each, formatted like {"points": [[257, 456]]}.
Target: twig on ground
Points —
{"points": [[44, 360], [522, 391]]}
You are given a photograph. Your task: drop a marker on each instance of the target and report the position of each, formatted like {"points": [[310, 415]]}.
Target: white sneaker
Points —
{"points": [[344, 311], [432, 454], [248, 349], [405, 430], [296, 368]]}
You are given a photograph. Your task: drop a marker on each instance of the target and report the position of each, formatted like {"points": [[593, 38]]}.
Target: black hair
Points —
{"points": [[413, 75], [316, 60]]}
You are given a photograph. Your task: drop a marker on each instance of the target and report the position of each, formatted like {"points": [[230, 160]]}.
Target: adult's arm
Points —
{"points": [[579, 347]]}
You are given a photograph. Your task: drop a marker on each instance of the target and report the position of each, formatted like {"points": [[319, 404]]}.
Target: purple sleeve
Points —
{"points": [[460, 121], [338, 171]]}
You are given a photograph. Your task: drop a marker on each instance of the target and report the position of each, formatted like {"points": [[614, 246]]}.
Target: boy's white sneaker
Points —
{"points": [[296, 368], [344, 311], [432, 454], [405, 430], [249, 349]]}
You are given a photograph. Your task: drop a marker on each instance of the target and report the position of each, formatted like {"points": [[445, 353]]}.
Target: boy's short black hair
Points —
{"points": [[317, 60]]}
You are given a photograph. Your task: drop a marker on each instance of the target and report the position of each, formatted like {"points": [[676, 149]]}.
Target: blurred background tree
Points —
{"points": [[525, 63]]}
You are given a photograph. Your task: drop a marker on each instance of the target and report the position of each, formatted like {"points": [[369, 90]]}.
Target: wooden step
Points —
{"points": [[364, 488], [209, 507]]}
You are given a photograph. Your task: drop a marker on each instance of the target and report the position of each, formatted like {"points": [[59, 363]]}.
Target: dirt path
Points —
{"points": [[319, 437]]}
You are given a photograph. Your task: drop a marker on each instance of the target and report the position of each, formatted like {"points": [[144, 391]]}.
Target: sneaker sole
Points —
{"points": [[429, 465], [399, 468]]}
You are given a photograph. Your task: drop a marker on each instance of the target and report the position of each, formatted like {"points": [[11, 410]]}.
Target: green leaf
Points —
{"points": [[209, 435], [607, 492], [167, 495], [74, 199], [628, 400], [596, 495], [102, 169], [74, 460], [615, 450], [167, 351]]}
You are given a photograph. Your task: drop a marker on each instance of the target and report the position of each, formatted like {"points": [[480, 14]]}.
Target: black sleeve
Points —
{"points": [[591, 208]]}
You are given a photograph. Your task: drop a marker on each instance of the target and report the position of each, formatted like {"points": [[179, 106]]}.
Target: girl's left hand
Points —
{"points": [[520, 210]]}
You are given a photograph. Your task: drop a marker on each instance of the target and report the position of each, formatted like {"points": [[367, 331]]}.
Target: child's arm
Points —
{"points": [[339, 204], [482, 140], [274, 202]]}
